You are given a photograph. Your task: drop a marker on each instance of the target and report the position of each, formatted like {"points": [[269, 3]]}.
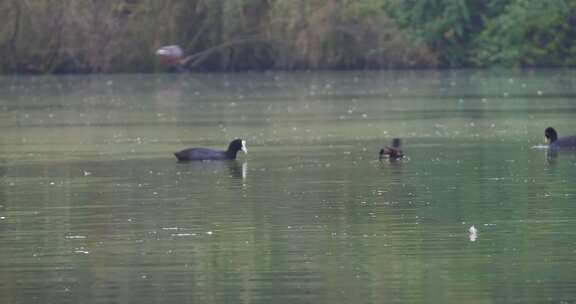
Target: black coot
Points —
{"points": [[562, 142], [393, 152], [209, 154]]}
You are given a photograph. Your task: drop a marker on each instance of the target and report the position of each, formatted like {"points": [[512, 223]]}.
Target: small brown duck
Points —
{"points": [[392, 152]]}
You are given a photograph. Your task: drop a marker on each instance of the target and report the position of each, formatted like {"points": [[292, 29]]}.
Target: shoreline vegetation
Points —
{"points": [[121, 36]]}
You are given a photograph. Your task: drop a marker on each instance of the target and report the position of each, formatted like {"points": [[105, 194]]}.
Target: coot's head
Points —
{"points": [[237, 145], [396, 142], [551, 135]]}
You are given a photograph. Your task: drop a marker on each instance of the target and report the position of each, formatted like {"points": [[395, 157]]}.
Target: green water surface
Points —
{"points": [[94, 207]]}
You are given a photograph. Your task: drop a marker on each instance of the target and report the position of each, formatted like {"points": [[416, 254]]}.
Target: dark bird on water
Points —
{"points": [[562, 142], [210, 154], [392, 152]]}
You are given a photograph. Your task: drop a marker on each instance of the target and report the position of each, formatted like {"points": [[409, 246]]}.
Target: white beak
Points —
{"points": [[244, 149]]}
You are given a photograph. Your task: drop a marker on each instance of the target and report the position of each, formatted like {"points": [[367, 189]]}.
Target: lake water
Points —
{"points": [[94, 207]]}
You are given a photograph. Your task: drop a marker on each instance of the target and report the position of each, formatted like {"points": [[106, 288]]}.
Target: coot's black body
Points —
{"points": [[562, 142], [209, 154]]}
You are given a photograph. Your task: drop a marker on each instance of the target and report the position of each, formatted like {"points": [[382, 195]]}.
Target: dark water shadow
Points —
{"points": [[553, 155], [121, 168], [236, 169]]}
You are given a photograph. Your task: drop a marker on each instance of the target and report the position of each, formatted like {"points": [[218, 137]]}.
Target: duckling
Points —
{"points": [[393, 152]]}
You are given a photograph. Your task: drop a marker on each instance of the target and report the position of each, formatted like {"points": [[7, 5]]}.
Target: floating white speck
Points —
{"points": [[209, 232], [70, 237], [87, 173], [183, 234], [473, 233]]}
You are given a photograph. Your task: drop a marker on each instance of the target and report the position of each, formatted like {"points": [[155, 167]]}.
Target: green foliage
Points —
{"points": [[57, 36], [447, 26], [71, 36], [493, 32], [530, 33], [121, 36], [340, 34]]}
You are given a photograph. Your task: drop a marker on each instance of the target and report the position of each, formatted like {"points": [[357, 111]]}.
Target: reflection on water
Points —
{"points": [[95, 209], [552, 153]]}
